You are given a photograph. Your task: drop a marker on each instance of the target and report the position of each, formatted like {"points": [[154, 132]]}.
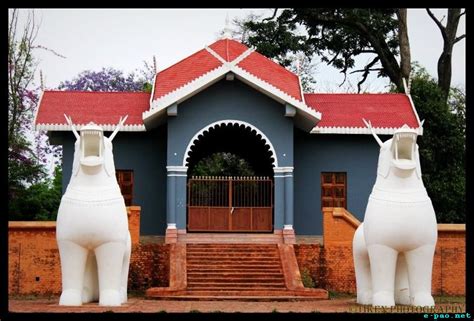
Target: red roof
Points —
{"points": [[228, 49], [347, 110], [184, 72], [203, 61], [102, 108]]}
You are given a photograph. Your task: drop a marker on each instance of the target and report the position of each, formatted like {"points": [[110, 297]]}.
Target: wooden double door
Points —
{"points": [[230, 204]]}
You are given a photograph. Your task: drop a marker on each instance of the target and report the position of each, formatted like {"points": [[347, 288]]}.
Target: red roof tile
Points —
{"points": [[184, 72], [228, 49], [274, 74], [100, 107], [202, 62], [347, 110]]}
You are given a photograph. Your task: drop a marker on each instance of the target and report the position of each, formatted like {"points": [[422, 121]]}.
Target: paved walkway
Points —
{"points": [[142, 305]]}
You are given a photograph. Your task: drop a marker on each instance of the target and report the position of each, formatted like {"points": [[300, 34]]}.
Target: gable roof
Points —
{"points": [[195, 73], [343, 113], [103, 108]]}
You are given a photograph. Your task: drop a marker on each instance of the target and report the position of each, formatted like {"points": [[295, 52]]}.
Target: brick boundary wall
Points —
{"points": [[331, 265], [34, 264]]}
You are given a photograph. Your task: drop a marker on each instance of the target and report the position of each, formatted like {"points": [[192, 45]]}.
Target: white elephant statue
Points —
{"points": [[92, 226], [394, 247]]}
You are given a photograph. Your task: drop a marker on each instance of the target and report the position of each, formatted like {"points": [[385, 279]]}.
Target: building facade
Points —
{"points": [[313, 149]]}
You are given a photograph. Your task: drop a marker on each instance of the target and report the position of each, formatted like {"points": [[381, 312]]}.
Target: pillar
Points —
{"points": [[175, 202], [284, 202]]}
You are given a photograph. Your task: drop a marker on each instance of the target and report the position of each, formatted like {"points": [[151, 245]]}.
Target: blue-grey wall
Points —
{"points": [[221, 101], [315, 153], [230, 100], [145, 154]]}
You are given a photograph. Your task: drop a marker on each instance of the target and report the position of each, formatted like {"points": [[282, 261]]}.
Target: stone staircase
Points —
{"points": [[248, 272], [230, 268]]}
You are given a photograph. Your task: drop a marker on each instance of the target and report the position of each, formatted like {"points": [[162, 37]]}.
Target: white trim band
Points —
{"points": [[182, 169], [288, 227], [171, 226], [287, 169], [105, 127], [356, 130]]}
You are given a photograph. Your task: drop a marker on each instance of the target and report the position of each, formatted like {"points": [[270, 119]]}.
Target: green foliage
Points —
{"points": [[222, 164], [39, 202], [306, 278], [336, 35], [442, 146]]}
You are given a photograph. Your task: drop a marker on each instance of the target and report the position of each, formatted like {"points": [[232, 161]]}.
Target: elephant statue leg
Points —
{"points": [[109, 264], [362, 267], [73, 262], [420, 265], [125, 266], [383, 260], [90, 291], [402, 289]]}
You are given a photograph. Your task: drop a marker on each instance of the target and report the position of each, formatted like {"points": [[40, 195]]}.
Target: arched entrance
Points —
{"points": [[230, 200]]}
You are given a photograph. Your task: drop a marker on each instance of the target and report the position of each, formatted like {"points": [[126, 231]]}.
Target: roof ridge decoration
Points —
{"points": [[213, 75]]}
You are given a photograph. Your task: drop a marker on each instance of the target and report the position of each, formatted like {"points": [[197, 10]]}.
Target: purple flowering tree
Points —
{"points": [[110, 79], [27, 151]]}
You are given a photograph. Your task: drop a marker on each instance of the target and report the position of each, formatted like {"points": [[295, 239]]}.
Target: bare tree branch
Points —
{"points": [[366, 72], [438, 23], [271, 18], [460, 38]]}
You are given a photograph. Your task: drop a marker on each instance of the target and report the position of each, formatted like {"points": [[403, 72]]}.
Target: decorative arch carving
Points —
{"points": [[257, 131]]}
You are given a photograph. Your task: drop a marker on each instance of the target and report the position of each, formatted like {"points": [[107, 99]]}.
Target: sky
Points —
{"points": [[123, 38]]}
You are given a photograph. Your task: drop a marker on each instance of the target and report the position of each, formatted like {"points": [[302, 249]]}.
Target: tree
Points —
{"points": [[222, 164], [450, 38], [110, 79], [442, 146], [24, 165], [298, 63], [40, 201], [338, 36]]}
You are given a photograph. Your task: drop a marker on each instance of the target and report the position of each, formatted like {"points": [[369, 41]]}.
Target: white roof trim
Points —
{"points": [[420, 128], [355, 130], [153, 89], [216, 55], [185, 90], [38, 106], [275, 91], [181, 93], [105, 127]]}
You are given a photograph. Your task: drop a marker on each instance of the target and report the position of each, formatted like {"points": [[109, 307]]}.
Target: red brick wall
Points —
{"points": [[334, 262], [34, 265]]}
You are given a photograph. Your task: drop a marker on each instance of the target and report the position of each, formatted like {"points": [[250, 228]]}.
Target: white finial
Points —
{"points": [[154, 64], [227, 32]]}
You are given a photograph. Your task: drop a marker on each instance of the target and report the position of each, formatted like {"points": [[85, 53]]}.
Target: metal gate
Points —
{"points": [[230, 204]]}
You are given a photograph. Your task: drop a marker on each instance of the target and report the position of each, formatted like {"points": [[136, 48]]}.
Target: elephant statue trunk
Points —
{"points": [[394, 247], [92, 226]]}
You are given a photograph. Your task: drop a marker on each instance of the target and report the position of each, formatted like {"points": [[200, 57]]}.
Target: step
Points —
{"points": [[229, 254], [232, 273], [235, 286], [207, 270], [245, 279], [226, 260]]}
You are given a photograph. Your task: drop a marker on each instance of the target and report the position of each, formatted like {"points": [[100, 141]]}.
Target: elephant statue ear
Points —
{"points": [[385, 159], [108, 158], [418, 164], [77, 156]]}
